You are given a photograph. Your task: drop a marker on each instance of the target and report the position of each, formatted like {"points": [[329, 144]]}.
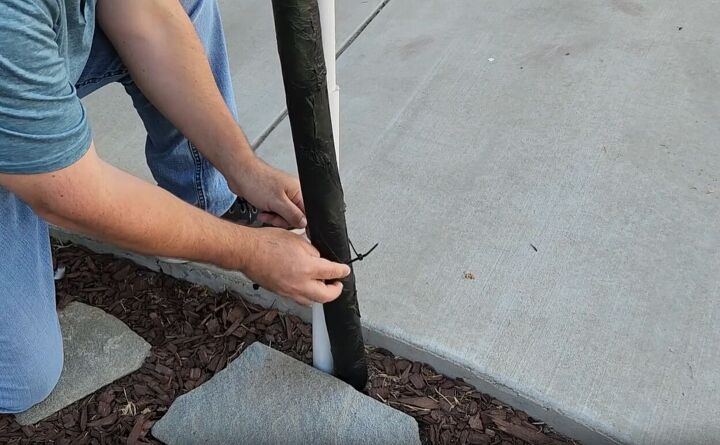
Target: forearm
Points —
{"points": [[94, 198], [159, 45]]}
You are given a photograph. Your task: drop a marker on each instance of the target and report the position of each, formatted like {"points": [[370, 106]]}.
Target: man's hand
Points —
{"points": [[289, 265], [272, 191], [99, 200]]}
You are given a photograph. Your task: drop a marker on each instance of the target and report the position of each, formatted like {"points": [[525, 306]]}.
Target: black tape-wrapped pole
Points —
{"points": [[299, 39]]}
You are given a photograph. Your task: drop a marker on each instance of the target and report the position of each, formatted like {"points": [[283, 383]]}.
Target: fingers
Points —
{"points": [[292, 213], [273, 219], [327, 270], [303, 301], [297, 199], [321, 292], [286, 215], [317, 291]]}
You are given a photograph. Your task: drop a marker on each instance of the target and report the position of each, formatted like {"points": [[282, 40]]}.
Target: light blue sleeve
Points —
{"points": [[43, 126]]}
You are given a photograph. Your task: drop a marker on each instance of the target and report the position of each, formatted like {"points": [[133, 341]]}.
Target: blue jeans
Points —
{"points": [[31, 355]]}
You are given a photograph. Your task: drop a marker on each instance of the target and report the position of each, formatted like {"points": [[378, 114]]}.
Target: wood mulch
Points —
{"points": [[195, 332]]}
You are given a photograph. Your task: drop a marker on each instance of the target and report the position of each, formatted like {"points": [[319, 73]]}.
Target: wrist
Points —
{"points": [[236, 249], [232, 146], [223, 143], [234, 157]]}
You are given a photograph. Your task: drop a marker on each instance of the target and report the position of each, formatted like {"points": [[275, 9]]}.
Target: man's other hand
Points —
{"points": [[275, 193], [289, 265]]}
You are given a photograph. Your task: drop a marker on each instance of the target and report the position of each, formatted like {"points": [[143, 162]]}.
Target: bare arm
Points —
{"points": [[94, 198], [159, 45]]}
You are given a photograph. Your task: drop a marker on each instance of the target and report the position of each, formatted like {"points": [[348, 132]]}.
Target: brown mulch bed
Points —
{"points": [[195, 332]]}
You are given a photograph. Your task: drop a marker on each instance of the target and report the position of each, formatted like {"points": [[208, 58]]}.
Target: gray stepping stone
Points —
{"points": [[98, 350], [267, 397]]}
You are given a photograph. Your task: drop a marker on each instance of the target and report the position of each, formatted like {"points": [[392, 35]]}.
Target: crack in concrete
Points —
{"points": [[257, 143], [350, 40]]}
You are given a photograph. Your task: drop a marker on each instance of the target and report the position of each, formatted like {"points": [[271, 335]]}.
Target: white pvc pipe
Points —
{"points": [[322, 355], [327, 24]]}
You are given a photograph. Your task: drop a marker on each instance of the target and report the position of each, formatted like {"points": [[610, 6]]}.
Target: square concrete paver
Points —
{"points": [[98, 349], [267, 397]]}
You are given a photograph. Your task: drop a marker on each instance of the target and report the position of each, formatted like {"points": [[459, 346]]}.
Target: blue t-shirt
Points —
{"points": [[44, 45]]}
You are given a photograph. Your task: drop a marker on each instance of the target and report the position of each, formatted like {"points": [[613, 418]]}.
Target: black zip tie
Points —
{"points": [[360, 256]]}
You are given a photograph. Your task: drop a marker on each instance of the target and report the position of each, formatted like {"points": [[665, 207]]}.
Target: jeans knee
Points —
{"points": [[32, 379]]}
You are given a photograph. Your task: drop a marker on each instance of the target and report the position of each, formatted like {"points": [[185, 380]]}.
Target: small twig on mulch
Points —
{"points": [[195, 332]]}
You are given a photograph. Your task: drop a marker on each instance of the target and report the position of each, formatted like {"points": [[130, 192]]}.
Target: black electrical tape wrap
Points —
{"points": [[297, 25]]}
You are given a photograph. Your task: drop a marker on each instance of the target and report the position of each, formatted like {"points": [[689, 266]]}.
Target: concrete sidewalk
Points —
{"points": [[565, 154]]}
